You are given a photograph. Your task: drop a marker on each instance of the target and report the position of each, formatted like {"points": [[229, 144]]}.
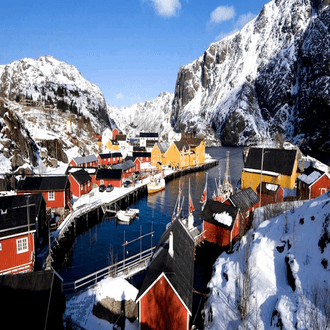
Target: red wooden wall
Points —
{"points": [[160, 308], [13, 262]]}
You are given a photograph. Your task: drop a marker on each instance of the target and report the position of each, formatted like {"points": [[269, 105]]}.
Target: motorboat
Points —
{"points": [[127, 215], [156, 185]]}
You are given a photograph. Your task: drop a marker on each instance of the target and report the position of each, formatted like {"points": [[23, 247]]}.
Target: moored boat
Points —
{"points": [[127, 215], [156, 185]]}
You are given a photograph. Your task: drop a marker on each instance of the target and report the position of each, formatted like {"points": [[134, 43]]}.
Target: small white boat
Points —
{"points": [[156, 185], [127, 215]]}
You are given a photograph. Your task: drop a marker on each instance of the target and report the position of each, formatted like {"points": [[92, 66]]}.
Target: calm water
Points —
{"points": [[94, 248]]}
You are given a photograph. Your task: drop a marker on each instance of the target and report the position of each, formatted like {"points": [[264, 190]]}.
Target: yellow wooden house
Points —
{"points": [[277, 166], [181, 154], [112, 145], [158, 154]]}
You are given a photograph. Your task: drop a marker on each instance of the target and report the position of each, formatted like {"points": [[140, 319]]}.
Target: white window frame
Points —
{"points": [[22, 245], [51, 195]]}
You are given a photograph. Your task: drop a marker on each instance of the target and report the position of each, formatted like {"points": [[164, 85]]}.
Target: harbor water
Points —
{"points": [[102, 244]]}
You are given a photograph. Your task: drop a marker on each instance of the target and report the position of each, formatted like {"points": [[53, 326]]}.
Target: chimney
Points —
{"points": [[170, 247]]}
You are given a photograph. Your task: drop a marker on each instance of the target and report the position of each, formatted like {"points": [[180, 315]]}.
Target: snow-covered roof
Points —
{"points": [[310, 175]]}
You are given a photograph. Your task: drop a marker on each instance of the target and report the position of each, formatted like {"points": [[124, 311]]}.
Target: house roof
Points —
{"points": [[217, 213], [110, 155], [120, 137], [124, 165], [141, 154], [275, 160], [148, 135], [81, 176], [244, 199], [179, 270], [268, 188], [107, 174], [14, 210], [34, 290], [163, 146], [85, 159], [310, 175], [43, 183]]}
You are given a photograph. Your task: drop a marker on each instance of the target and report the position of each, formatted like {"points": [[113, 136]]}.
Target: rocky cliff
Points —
{"points": [[270, 78], [48, 83]]}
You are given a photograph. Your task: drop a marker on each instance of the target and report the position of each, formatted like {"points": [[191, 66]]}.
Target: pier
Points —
{"points": [[80, 215], [125, 268]]}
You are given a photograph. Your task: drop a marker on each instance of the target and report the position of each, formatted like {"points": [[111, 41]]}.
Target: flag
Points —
{"points": [[191, 205], [203, 199]]}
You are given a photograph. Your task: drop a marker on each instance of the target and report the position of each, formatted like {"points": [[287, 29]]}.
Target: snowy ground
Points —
{"points": [[250, 287], [80, 306]]}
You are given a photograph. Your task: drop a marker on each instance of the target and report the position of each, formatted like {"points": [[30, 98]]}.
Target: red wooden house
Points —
{"points": [[312, 183], [128, 168], [165, 297], [80, 182], [270, 193], [22, 228], [246, 201], [111, 158], [144, 157], [108, 176], [221, 223], [55, 189], [85, 161], [115, 132]]}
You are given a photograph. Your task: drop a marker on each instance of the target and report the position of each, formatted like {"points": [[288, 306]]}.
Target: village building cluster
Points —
{"points": [[269, 176]]}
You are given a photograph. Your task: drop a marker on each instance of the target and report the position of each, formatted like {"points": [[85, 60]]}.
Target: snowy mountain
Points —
{"points": [[33, 139], [151, 116], [48, 83], [271, 77], [279, 274]]}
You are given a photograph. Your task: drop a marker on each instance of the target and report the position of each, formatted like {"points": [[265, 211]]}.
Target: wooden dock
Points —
{"points": [[125, 268]]}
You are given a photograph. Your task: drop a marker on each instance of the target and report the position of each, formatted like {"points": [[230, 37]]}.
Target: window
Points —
{"points": [[22, 245], [51, 195]]}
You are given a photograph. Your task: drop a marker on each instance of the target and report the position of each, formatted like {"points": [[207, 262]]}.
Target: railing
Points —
{"points": [[124, 268]]}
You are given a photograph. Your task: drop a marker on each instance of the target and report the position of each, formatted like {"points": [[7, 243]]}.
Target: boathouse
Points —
{"points": [[55, 189], [312, 183], [107, 159], [157, 154], [106, 176], [165, 297], [144, 157], [23, 227], [85, 161], [80, 182], [128, 167], [246, 201], [32, 301], [221, 223], [270, 193], [277, 166]]}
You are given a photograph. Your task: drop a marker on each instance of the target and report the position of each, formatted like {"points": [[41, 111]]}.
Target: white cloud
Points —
{"points": [[222, 14], [119, 96], [239, 24], [166, 8], [243, 19]]}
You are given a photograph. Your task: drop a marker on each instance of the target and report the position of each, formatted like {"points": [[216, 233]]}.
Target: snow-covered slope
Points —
{"points": [[270, 77], [151, 116], [279, 275], [47, 81]]}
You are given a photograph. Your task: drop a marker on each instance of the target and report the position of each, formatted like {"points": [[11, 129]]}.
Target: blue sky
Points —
{"points": [[131, 49]]}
